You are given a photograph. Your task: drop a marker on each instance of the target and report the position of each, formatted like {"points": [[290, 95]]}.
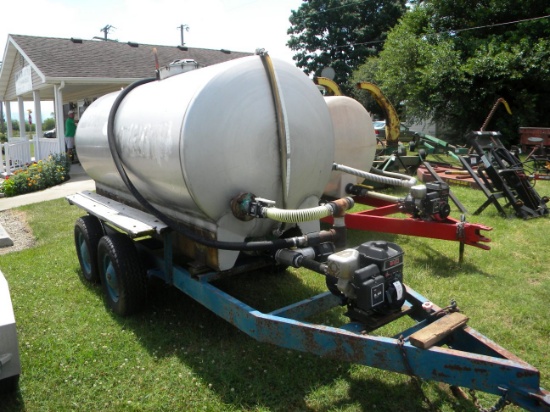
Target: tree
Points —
{"points": [[48, 123], [450, 60], [340, 34]]}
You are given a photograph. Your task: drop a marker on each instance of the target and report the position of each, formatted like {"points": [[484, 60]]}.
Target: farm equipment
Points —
{"points": [[499, 101], [502, 176], [188, 188], [538, 159], [533, 139], [10, 365]]}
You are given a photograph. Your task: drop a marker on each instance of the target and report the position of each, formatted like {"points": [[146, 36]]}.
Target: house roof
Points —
{"points": [[94, 67]]}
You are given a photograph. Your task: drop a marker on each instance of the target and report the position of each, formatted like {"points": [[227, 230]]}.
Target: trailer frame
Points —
{"points": [[463, 358]]}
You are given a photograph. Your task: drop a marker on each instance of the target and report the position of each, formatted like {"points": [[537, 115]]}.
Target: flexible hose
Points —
{"points": [[336, 208], [282, 126], [178, 227], [411, 179], [298, 216], [388, 178]]}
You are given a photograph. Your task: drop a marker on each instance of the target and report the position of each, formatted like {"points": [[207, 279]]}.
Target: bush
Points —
{"points": [[37, 176]]}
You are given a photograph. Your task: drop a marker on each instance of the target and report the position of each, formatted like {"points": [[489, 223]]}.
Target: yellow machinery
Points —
{"points": [[330, 86], [492, 112], [392, 119]]}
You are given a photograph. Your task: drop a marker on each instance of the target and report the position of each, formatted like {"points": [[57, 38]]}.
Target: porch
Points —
{"points": [[19, 152]]}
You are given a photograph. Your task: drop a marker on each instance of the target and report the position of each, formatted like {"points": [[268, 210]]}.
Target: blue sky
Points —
{"points": [[239, 25]]}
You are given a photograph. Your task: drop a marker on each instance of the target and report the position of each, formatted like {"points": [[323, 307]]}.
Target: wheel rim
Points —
{"points": [[111, 280], [84, 254]]}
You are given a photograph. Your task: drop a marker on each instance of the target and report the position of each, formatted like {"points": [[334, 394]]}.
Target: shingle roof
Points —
{"points": [[57, 58]]}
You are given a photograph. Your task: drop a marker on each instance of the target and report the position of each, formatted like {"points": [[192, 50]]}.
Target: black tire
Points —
{"points": [[87, 232], [123, 276], [9, 385]]}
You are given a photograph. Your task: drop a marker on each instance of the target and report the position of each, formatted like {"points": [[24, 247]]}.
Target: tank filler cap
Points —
{"points": [[418, 191], [177, 67]]}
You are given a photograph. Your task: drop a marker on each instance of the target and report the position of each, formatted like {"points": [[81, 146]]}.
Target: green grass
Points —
{"points": [[176, 355]]}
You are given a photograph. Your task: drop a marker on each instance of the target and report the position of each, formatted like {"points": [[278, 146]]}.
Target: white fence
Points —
{"points": [[18, 153]]}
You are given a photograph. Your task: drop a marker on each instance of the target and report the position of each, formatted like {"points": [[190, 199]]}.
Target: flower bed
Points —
{"points": [[37, 176]]}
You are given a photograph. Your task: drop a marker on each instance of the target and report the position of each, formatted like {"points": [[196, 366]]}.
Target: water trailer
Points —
{"points": [[216, 172]]}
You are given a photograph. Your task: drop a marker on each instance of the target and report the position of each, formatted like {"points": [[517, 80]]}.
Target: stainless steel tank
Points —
{"points": [[354, 142], [192, 142]]}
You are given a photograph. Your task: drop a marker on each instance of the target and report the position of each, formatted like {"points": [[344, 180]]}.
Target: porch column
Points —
{"points": [[38, 124], [59, 120], [1, 114], [9, 124], [22, 131], [9, 130]]}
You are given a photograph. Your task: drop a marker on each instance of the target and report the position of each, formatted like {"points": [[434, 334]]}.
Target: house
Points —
{"points": [[73, 72]]}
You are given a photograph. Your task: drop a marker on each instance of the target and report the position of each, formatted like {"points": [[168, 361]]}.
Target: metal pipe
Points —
{"points": [[388, 178]]}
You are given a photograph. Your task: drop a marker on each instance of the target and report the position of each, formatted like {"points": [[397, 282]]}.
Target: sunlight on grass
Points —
{"points": [[176, 355]]}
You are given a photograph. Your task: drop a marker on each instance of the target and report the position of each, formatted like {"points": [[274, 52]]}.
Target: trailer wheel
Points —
{"points": [[123, 276], [87, 232]]}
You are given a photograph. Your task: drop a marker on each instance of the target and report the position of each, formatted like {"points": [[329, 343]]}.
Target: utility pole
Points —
{"points": [[182, 28], [106, 30]]}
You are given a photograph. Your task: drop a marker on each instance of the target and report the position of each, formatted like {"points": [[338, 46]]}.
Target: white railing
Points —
{"points": [[47, 147], [16, 153]]}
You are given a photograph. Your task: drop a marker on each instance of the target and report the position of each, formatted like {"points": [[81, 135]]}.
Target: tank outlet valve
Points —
{"points": [[294, 257], [313, 258], [246, 206]]}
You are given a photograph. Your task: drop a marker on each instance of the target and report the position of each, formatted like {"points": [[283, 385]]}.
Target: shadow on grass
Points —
{"points": [[444, 265], [375, 395], [12, 401], [249, 374]]}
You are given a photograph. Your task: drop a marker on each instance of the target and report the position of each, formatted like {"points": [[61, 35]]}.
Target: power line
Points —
{"points": [[496, 24], [354, 3], [455, 30]]}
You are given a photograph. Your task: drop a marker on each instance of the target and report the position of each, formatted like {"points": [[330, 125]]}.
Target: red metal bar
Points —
{"points": [[377, 220]]}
